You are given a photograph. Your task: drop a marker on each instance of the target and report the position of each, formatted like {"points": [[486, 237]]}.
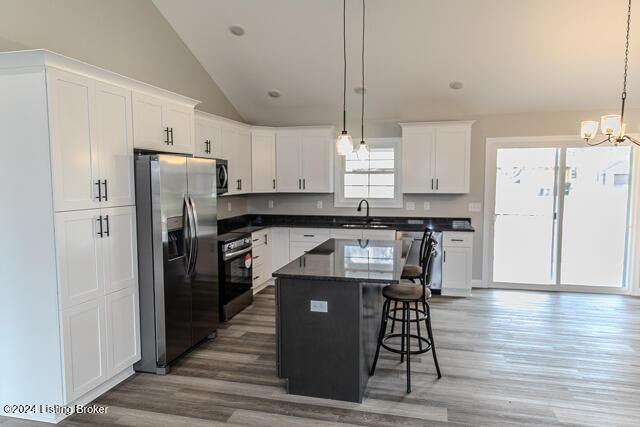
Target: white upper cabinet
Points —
{"points": [[114, 133], [73, 142], [263, 160], [236, 150], [161, 125], [436, 157], [208, 137], [304, 160]]}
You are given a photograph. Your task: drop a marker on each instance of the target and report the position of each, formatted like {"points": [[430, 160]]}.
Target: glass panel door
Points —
{"points": [[525, 231], [595, 216]]}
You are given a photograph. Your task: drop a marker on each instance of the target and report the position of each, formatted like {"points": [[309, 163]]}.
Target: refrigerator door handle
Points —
{"points": [[194, 217], [187, 236]]}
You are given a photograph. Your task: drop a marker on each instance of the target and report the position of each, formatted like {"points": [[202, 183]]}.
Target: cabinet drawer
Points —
{"points": [[309, 234], [259, 238], [457, 239], [260, 274], [259, 254]]}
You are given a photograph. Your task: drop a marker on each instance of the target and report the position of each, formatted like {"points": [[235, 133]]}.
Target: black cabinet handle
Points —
{"points": [[304, 183], [255, 240], [240, 184], [266, 239], [237, 184], [299, 184], [444, 256], [256, 278], [106, 219], [308, 235], [166, 140], [274, 183], [432, 183], [457, 240], [100, 233], [437, 184], [99, 184], [106, 192], [256, 257], [171, 132]]}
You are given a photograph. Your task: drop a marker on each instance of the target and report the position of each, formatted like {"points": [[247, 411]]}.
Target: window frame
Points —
{"points": [[397, 202]]}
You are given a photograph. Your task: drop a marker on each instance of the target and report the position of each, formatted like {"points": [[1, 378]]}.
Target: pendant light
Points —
{"points": [[344, 144], [612, 126], [363, 149]]}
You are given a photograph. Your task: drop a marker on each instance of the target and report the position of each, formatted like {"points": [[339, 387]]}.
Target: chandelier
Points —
{"points": [[612, 126]]}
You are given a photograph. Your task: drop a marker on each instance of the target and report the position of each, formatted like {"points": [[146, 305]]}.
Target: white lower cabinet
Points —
{"points": [[123, 326], [261, 251], [279, 247], [85, 349], [457, 263]]}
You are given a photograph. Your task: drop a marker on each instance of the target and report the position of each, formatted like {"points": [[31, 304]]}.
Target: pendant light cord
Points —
{"points": [[363, 89], [344, 72], [626, 63]]}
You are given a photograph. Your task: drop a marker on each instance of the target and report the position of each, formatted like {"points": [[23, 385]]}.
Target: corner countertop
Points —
{"points": [[346, 260], [258, 221]]}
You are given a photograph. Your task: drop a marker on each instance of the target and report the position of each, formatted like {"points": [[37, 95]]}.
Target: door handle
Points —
{"points": [[432, 183], [166, 140], [299, 184], [274, 183], [266, 239], [304, 183], [106, 192], [444, 256], [171, 132], [106, 219], [240, 184], [99, 184], [99, 220], [437, 184]]}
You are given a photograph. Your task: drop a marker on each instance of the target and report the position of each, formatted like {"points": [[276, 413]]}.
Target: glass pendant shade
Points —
{"points": [[363, 151], [611, 125], [588, 129], [344, 144]]}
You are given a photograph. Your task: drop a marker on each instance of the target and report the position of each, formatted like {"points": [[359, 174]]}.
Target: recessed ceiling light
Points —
{"points": [[274, 93], [456, 85], [360, 90], [236, 30]]}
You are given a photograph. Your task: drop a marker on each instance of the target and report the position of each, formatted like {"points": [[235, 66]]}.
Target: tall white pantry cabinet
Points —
{"points": [[69, 315]]}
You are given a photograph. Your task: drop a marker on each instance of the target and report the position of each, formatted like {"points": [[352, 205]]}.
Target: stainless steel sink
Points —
{"points": [[378, 226], [364, 226]]}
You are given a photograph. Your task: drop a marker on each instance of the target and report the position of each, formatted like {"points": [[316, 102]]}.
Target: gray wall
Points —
{"points": [[534, 124], [129, 37]]}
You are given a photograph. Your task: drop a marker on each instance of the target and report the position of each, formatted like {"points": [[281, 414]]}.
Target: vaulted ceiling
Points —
{"points": [[512, 56]]}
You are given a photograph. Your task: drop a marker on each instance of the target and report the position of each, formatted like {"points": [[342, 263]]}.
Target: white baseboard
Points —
{"points": [[475, 283], [456, 292]]}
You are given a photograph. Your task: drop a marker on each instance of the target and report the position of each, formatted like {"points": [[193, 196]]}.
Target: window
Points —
{"points": [[375, 179]]}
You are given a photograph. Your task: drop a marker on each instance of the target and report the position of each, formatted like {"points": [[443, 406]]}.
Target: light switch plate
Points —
{"points": [[319, 306], [319, 204], [426, 206], [411, 206], [229, 206], [475, 207], [270, 203]]}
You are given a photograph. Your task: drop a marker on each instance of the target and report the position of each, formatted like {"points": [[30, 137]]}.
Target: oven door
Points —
{"points": [[238, 267]]}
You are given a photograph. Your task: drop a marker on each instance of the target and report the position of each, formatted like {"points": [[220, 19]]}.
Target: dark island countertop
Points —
{"points": [[372, 261], [255, 222]]}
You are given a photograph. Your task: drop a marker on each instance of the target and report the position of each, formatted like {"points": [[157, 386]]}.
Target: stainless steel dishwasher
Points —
{"points": [[414, 254]]}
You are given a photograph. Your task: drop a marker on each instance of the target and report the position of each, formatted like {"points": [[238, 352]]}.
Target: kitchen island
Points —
{"points": [[328, 309]]}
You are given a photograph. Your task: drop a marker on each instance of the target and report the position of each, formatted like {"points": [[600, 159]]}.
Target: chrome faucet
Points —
{"points": [[360, 208]]}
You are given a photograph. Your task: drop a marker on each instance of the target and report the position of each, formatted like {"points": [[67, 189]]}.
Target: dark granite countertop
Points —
{"points": [[372, 261], [257, 221]]}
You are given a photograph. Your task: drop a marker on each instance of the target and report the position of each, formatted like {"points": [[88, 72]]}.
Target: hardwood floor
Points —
{"points": [[508, 358]]}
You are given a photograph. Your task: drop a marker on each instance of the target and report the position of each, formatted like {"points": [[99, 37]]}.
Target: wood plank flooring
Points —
{"points": [[508, 358]]}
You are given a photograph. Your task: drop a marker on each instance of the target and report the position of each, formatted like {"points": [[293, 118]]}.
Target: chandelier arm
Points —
{"points": [[595, 144], [635, 141]]}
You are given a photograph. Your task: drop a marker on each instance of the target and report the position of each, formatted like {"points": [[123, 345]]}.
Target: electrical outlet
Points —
{"points": [[411, 206], [229, 208], [426, 206], [319, 204], [270, 203], [475, 207]]}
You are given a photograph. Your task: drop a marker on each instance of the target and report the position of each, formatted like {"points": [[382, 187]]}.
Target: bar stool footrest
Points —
{"points": [[386, 346]]}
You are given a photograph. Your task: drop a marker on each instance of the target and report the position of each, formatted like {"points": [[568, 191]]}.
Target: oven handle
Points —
{"points": [[230, 255]]}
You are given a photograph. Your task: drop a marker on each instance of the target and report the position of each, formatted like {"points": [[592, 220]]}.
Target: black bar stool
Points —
{"points": [[407, 293], [414, 272]]}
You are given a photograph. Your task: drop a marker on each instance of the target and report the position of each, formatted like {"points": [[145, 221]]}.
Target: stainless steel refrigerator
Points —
{"points": [[177, 256]]}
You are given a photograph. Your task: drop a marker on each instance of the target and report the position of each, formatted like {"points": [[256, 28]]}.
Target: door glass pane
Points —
{"points": [[525, 226], [594, 232]]}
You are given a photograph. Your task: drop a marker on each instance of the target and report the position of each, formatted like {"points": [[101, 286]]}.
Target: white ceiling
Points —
{"points": [[512, 55]]}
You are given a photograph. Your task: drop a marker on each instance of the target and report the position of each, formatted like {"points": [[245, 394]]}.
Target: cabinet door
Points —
{"points": [[85, 356], [344, 233], [288, 163], [179, 120], [120, 249], [114, 133], [208, 140], [243, 159], [74, 149], [279, 247], [452, 160], [148, 125], [418, 161], [263, 162], [317, 171], [456, 269], [229, 150], [122, 326], [297, 249], [79, 249], [379, 234]]}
